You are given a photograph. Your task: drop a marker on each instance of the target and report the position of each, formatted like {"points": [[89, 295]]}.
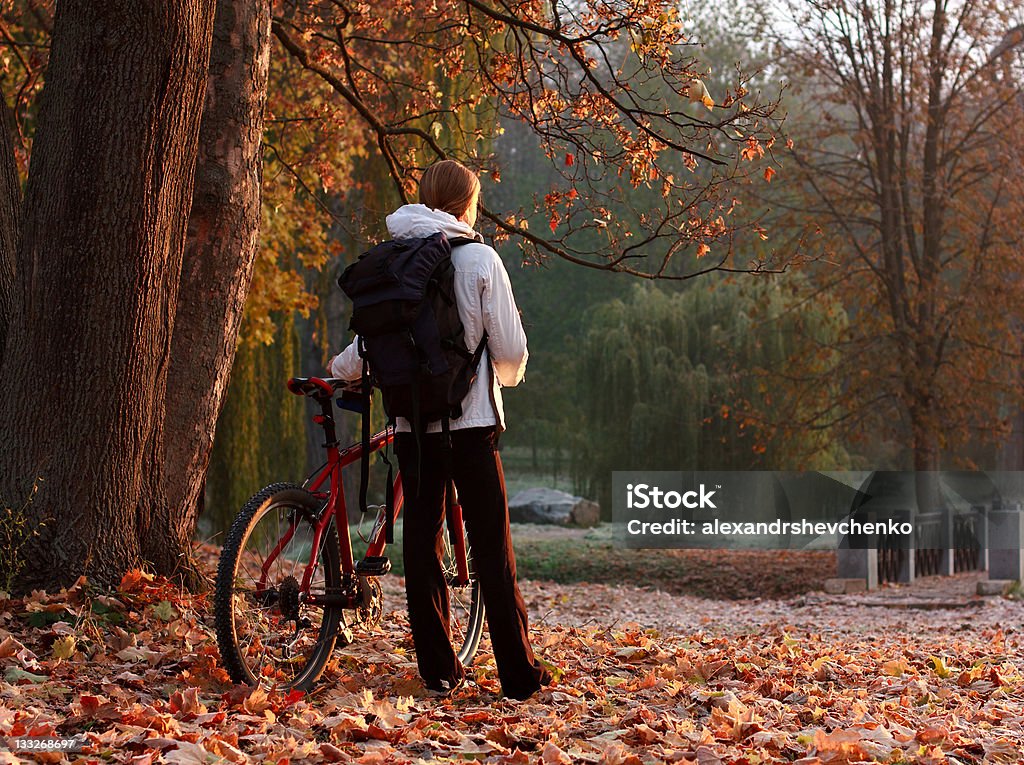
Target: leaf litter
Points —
{"points": [[643, 676]]}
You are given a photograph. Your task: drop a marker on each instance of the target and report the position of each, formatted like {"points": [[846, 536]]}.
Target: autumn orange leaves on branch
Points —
{"points": [[611, 89]]}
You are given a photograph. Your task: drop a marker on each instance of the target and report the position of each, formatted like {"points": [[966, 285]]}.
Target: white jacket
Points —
{"points": [[483, 294]]}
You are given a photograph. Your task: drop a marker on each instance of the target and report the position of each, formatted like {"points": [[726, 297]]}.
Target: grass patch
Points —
{"points": [[588, 555], [723, 574], [520, 472]]}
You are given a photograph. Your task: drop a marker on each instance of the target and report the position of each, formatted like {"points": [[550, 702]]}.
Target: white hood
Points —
{"points": [[483, 294], [415, 221]]}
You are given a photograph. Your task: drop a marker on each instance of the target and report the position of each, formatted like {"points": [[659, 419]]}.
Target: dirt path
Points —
{"points": [[854, 615], [943, 605], [666, 598]]}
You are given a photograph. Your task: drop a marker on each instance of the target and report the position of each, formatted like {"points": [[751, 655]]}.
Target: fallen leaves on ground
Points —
{"points": [[137, 673]]}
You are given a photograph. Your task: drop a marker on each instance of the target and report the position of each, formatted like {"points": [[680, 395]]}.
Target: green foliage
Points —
{"points": [[543, 408], [687, 381], [261, 431]]}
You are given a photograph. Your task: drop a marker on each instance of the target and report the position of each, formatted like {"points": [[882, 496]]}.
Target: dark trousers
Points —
{"points": [[475, 466]]}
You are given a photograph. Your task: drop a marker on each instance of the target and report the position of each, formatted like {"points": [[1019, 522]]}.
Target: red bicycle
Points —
{"points": [[288, 589]]}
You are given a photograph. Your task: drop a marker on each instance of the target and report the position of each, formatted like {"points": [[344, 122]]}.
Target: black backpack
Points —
{"points": [[411, 338]]}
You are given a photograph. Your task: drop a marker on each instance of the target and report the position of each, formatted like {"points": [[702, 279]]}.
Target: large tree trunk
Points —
{"points": [[223, 236], [106, 208], [10, 221]]}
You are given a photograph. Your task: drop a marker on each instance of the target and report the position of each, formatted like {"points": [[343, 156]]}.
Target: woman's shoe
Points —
{"points": [[545, 679]]}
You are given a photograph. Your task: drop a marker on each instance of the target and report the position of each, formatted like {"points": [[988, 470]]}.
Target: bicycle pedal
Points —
{"points": [[345, 637], [373, 565]]}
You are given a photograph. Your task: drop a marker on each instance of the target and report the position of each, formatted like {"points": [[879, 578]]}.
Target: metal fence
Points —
{"points": [[984, 538], [944, 543]]}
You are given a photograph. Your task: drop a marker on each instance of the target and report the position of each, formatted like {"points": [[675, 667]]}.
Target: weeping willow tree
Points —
{"points": [[723, 377], [261, 430]]}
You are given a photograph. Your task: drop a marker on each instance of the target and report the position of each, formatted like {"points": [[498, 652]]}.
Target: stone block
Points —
{"points": [[841, 586], [551, 506], [994, 586]]}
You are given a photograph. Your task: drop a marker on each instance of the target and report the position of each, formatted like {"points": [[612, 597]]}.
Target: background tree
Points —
{"points": [[554, 294], [222, 241], [910, 192], [687, 381], [261, 430]]}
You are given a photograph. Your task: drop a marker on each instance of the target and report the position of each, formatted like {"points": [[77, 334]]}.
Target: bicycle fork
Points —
{"points": [[456, 534]]}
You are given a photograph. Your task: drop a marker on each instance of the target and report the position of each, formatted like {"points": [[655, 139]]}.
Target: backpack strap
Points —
{"points": [[479, 352], [494, 403], [417, 430], [473, 357], [446, 448]]}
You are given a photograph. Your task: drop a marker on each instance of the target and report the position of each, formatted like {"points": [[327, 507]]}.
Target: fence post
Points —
{"points": [[857, 556], [1006, 534], [858, 564], [947, 545], [907, 563]]}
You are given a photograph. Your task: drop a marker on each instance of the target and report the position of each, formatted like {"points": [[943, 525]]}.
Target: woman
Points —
{"points": [[449, 193]]}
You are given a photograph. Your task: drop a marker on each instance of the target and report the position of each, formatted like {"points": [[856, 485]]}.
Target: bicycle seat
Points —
{"points": [[316, 386]]}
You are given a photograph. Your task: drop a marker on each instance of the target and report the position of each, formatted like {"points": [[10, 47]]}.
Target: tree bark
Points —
{"points": [[106, 208], [10, 222], [926, 454], [223, 238]]}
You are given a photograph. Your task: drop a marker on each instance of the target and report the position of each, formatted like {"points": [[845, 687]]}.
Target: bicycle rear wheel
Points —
{"points": [[465, 604], [267, 633]]}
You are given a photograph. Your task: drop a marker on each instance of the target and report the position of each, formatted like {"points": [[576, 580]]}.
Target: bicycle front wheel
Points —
{"points": [[267, 632]]}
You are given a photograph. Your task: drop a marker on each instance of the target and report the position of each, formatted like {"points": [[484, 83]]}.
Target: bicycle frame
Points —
{"points": [[329, 476]]}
